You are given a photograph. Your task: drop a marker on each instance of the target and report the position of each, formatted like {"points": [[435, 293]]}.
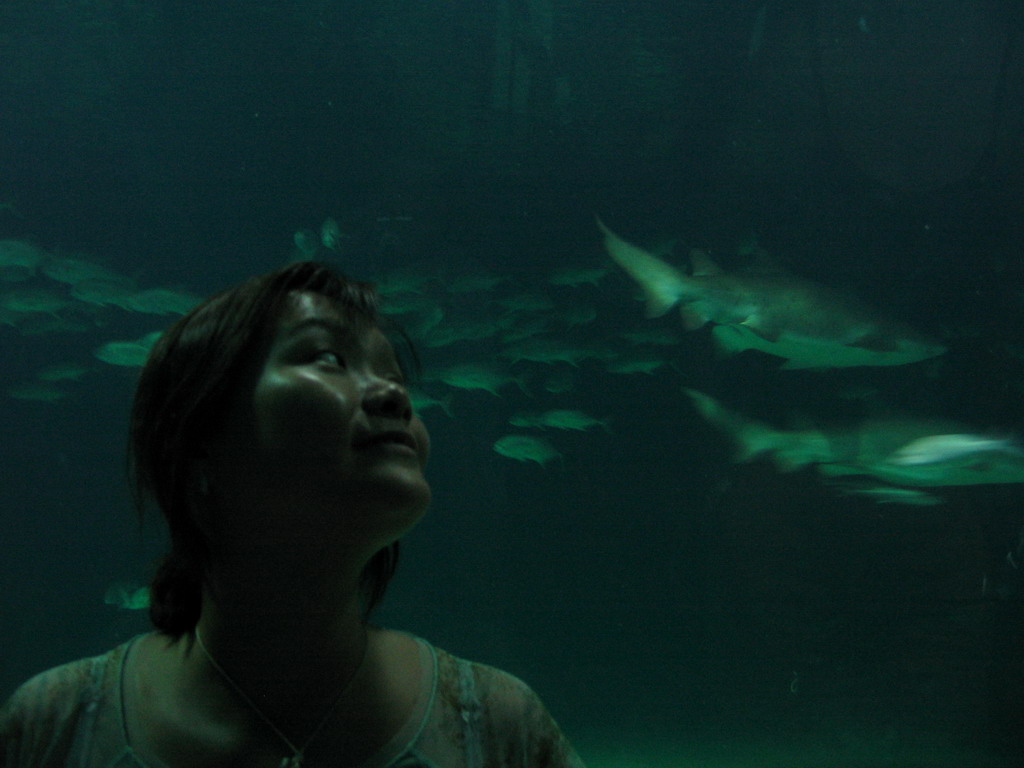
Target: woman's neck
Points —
{"points": [[293, 656]]}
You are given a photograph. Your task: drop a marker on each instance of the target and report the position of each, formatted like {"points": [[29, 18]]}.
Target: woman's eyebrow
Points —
{"points": [[334, 327]]}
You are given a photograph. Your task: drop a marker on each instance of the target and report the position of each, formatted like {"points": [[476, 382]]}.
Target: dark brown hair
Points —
{"points": [[192, 374]]}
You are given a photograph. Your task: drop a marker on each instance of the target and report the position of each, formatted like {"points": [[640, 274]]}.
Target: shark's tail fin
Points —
{"points": [[752, 438], [663, 285]]}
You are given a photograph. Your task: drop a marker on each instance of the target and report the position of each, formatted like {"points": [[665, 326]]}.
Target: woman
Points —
{"points": [[273, 429]]}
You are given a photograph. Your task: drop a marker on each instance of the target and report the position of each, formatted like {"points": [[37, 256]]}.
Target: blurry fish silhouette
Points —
{"points": [[863, 449], [29, 300], [421, 402], [809, 325], [19, 260], [40, 391], [75, 269], [331, 235], [163, 301], [132, 354], [482, 376], [126, 596], [306, 243], [526, 448], [561, 418]]}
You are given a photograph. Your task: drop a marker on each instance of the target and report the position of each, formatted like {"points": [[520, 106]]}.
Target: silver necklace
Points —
{"points": [[298, 753]]}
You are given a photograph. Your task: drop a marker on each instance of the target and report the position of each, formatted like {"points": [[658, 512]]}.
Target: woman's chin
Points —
{"points": [[402, 499]]}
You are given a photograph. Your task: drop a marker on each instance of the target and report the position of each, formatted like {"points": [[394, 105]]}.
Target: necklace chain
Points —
{"points": [[298, 753]]}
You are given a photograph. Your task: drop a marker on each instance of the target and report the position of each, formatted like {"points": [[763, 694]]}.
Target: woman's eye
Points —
{"points": [[331, 358]]}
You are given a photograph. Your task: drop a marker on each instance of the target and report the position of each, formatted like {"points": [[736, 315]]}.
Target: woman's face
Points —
{"points": [[325, 442]]}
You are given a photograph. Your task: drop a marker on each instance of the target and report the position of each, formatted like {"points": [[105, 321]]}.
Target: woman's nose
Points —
{"points": [[385, 397]]}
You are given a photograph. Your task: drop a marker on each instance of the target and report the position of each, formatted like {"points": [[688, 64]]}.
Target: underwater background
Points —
{"points": [[591, 532]]}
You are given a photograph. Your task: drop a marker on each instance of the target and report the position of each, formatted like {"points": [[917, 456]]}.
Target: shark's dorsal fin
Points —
{"points": [[662, 284]]}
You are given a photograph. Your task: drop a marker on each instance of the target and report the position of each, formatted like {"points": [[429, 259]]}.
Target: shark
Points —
{"points": [[867, 449], [807, 324]]}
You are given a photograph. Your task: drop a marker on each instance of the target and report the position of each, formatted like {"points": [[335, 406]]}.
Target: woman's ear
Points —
{"points": [[200, 488]]}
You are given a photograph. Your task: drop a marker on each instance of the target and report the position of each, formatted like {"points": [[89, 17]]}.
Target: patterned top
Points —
{"points": [[467, 715]]}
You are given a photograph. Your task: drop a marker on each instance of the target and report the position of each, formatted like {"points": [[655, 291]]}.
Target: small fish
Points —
{"points": [[559, 419], [41, 392], [150, 339], [938, 449], [27, 300], [306, 243], [103, 292], [453, 332], [422, 402], [549, 350], [331, 235], [126, 596], [130, 354], [162, 301], [18, 260], [478, 376], [63, 372], [75, 269], [527, 448]]}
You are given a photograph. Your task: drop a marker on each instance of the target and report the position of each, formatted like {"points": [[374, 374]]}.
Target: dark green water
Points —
{"points": [[672, 607]]}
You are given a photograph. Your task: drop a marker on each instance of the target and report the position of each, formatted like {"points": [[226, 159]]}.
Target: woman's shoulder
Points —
{"points": [[500, 690], [46, 705], [56, 687], [516, 718]]}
